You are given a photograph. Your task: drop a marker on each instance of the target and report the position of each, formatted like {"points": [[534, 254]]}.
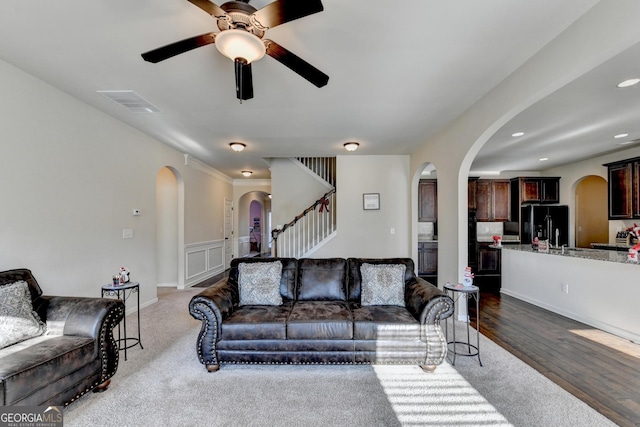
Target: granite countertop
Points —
{"points": [[610, 245], [595, 254]]}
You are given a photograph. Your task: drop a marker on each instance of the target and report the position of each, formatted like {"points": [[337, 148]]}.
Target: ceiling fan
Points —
{"points": [[242, 29]]}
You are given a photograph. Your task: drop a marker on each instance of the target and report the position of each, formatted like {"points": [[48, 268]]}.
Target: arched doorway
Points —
{"points": [[169, 228], [592, 221], [253, 234], [255, 227]]}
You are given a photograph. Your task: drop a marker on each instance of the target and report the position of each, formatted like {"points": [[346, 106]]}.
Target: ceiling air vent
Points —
{"points": [[130, 100]]}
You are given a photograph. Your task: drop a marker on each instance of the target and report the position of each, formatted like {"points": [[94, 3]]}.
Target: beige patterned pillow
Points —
{"points": [[259, 283], [18, 321], [383, 284]]}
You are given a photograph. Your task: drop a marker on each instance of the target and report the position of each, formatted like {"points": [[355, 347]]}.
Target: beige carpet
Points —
{"points": [[165, 385]]}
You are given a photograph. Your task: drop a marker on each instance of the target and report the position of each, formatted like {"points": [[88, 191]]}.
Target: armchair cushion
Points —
{"points": [[18, 320], [259, 283], [383, 284]]}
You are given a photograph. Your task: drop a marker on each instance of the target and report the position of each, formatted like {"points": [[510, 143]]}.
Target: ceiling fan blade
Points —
{"points": [[295, 63], [173, 49], [244, 79], [281, 11], [211, 8]]}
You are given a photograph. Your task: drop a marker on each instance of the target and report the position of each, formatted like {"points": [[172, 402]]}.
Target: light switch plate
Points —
{"points": [[127, 233]]}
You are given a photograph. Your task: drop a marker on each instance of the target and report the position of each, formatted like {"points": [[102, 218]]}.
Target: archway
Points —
{"points": [[427, 265], [256, 220], [169, 228], [592, 221], [253, 234]]}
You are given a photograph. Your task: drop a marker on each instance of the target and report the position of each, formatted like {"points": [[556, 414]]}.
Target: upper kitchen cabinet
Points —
{"points": [[428, 200], [471, 193], [492, 200], [623, 189], [536, 189]]}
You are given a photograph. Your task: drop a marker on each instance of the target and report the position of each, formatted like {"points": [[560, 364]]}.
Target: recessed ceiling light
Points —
{"points": [[237, 146], [626, 142], [543, 159], [246, 173], [621, 135], [629, 82], [517, 134]]}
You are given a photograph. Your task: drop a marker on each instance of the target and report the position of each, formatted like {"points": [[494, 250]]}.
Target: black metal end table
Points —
{"points": [[457, 292], [117, 290]]}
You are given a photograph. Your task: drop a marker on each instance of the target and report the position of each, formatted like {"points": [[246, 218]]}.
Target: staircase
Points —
{"points": [[316, 224]]}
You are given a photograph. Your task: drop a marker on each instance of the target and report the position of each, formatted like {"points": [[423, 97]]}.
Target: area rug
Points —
{"points": [[164, 384]]}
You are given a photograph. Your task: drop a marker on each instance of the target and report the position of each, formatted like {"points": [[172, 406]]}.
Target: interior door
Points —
{"points": [[228, 232]]}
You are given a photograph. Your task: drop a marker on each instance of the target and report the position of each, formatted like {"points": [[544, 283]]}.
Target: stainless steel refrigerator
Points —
{"points": [[545, 222]]}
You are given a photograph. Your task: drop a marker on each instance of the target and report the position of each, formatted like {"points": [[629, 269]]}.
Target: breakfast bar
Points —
{"points": [[600, 288]]}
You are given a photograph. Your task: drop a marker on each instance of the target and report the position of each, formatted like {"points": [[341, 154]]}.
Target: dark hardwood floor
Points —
{"points": [[604, 373]]}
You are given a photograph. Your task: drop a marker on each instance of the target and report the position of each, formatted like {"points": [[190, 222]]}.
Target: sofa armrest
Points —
{"points": [[427, 302], [93, 318], [429, 305], [212, 306]]}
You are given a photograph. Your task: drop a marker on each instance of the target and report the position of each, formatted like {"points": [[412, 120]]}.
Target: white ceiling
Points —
{"points": [[399, 71]]}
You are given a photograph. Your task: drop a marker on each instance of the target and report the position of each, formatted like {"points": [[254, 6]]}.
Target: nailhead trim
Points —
{"points": [[106, 332], [204, 313]]}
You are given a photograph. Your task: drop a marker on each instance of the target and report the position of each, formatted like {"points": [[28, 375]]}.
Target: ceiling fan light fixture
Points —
{"points": [[351, 146], [247, 173], [240, 44], [237, 146]]}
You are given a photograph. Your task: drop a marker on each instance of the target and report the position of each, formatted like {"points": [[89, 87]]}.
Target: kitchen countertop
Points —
{"points": [[594, 254], [611, 246]]}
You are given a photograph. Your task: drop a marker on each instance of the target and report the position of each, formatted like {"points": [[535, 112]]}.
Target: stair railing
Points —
{"points": [[324, 167], [307, 230]]}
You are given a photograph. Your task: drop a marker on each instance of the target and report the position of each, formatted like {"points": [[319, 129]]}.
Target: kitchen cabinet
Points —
{"points": [[428, 258], [471, 193], [492, 200], [624, 200], [489, 271], [488, 259], [428, 200], [537, 189]]}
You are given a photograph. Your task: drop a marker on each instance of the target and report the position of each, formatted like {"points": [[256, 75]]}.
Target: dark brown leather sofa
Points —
{"points": [[321, 319], [77, 354]]}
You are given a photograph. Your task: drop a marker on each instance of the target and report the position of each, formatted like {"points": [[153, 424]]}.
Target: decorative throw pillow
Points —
{"points": [[383, 284], [18, 321], [259, 283]]}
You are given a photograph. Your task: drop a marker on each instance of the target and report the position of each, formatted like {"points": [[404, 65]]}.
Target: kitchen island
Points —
{"points": [[600, 288]]}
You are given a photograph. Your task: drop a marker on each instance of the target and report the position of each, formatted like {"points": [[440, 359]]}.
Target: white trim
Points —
{"points": [[203, 167], [202, 261], [321, 244], [311, 173], [251, 182], [167, 285]]}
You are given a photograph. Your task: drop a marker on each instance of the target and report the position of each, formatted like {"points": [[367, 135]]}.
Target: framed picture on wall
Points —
{"points": [[370, 201]]}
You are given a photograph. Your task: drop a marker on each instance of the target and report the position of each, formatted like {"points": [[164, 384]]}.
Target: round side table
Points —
{"points": [[120, 292], [459, 292]]}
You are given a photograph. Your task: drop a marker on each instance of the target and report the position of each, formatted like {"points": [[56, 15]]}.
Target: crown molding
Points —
{"points": [[203, 167], [251, 182]]}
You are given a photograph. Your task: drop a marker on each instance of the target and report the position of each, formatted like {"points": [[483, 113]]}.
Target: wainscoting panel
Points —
{"points": [[244, 247], [202, 261]]}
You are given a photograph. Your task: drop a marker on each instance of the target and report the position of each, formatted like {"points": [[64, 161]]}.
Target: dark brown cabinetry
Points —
{"points": [[428, 258], [428, 200], [537, 189], [623, 189], [488, 259], [489, 270], [471, 193], [492, 200]]}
